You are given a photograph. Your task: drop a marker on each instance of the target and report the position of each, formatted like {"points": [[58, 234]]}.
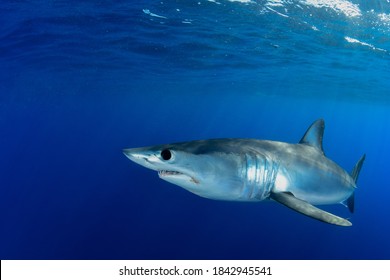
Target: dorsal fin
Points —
{"points": [[314, 134]]}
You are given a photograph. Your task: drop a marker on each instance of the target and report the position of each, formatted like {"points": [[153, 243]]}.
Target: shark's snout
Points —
{"points": [[132, 154], [128, 152], [136, 154], [142, 157]]}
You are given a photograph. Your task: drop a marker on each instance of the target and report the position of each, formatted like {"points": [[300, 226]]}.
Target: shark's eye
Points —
{"points": [[166, 154]]}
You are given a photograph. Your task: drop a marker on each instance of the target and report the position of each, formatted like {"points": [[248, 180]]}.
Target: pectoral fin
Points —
{"points": [[307, 209]]}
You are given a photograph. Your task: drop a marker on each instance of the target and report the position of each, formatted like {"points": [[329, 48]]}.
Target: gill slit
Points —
{"points": [[260, 173]]}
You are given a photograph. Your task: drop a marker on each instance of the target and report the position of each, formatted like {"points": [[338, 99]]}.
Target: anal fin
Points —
{"points": [[307, 209]]}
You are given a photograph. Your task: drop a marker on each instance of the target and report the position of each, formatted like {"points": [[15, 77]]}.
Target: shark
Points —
{"points": [[298, 176]]}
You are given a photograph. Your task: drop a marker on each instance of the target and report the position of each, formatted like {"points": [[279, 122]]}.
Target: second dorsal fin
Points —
{"points": [[314, 134]]}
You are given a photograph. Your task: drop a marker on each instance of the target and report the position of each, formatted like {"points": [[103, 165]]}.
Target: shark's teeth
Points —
{"points": [[167, 172], [163, 173]]}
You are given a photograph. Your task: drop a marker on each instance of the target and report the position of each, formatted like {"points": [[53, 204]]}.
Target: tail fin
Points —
{"points": [[350, 202], [356, 170]]}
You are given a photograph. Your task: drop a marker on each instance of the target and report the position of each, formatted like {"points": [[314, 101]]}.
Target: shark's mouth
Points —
{"points": [[169, 173]]}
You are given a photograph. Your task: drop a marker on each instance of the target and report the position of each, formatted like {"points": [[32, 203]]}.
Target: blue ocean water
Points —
{"points": [[81, 80]]}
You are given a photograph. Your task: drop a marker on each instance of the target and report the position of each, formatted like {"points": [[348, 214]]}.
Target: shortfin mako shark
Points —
{"points": [[298, 176]]}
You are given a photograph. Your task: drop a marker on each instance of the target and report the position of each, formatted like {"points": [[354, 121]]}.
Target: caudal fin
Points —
{"points": [[350, 202], [356, 170]]}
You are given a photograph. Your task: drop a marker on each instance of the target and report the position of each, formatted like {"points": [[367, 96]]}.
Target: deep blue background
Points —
{"points": [[81, 81]]}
